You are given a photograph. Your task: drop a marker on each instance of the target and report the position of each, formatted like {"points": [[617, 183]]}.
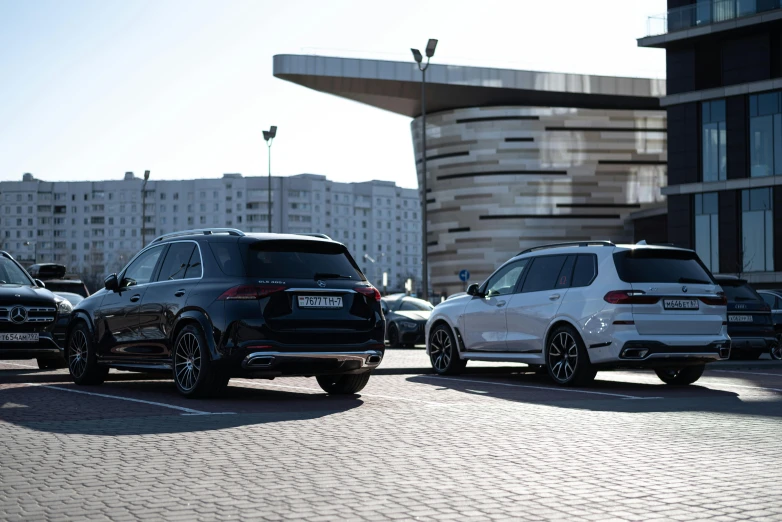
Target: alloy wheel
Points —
{"points": [[77, 353], [187, 361], [440, 350], [776, 350], [563, 356]]}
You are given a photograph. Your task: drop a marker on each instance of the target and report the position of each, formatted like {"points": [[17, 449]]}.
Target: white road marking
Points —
{"points": [[20, 365], [730, 385], [188, 411], [548, 388], [750, 373]]}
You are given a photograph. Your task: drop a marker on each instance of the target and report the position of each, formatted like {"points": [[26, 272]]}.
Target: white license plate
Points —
{"points": [[680, 304], [319, 301], [740, 318], [18, 337]]}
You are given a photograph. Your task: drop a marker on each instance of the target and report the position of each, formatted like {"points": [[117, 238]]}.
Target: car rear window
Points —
{"points": [[739, 291], [299, 260], [75, 287], [646, 265]]}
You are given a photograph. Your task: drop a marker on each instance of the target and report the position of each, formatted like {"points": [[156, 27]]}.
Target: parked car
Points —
{"points": [[749, 319], [74, 286], [208, 305], [405, 320], [74, 299], [56, 280], [773, 298], [28, 317], [577, 308]]}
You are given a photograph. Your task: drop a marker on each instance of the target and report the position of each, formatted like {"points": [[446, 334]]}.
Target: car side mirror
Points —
{"points": [[111, 283], [39, 283], [474, 290]]}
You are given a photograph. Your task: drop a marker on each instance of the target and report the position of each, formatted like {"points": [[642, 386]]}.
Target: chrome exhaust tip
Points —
{"points": [[374, 359], [260, 362]]}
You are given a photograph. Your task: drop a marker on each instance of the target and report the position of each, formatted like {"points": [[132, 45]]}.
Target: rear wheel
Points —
{"points": [[393, 336], [443, 353], [82, 359], [776, 350], [566, 359], [194, 373], [681, 376], [343, 384]]}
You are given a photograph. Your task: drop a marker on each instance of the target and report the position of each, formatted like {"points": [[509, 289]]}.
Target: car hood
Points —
{"points": [[415, 315], [27, 295]]}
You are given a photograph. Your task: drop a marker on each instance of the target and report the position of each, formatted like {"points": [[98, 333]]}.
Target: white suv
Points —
{"points": [[577, 308]]}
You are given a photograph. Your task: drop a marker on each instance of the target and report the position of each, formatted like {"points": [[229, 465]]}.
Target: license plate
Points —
{"points": [[680, 304], [319, 301], [19, 337], [740, 318]]}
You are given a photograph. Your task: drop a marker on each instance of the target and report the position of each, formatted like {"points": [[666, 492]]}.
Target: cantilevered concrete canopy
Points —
{"points": [[396, 86]]}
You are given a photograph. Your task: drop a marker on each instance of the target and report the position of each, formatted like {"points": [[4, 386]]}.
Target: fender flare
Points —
{"points": [[203, 321], [84, 316], [572, 323]]}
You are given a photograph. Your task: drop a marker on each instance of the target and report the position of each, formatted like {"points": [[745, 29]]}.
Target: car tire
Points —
{"points": [[343, 384], [776, 350], [82, 358], [194, 374], [681, 376], [393, 336], [443, 352], [51, 364], [564, 346]]}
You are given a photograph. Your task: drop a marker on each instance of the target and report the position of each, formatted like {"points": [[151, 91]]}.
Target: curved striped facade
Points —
{"points": [[502, 179]]}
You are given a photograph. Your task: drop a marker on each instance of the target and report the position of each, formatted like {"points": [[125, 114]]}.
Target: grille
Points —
{"points": [[35, 314]]}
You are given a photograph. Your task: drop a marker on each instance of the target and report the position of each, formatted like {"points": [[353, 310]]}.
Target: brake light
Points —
{"points": [[719, 300], [369, 291], [630, 297], [247, 292]]}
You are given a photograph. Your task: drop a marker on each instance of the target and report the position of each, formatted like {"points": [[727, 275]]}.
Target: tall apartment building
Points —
{"points": [[95, 227], [724, 103]]}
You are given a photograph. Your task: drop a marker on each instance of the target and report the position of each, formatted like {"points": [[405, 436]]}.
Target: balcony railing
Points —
{"points": [[706, 12]]}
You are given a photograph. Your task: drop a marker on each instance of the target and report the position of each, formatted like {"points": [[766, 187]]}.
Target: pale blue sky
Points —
{"points": [[91, 89]]}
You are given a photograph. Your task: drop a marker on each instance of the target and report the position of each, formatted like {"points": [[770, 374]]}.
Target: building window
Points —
{"points": [[707, 230], [765, 135], [757, 230]]}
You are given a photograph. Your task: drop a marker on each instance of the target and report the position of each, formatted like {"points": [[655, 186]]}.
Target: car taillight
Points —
{"points": [[369, 291], [630, 297], [719, 300], [246, 292]]}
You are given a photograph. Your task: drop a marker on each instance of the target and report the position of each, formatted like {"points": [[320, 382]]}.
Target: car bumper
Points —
{"points": [[752, 344], [264, 363], [412, 336], [639, 351], [46, 347]]}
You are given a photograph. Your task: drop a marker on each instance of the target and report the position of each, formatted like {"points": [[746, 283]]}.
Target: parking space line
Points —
{"points": [[20, 365], [750, 373], [730, 385], [188, 411], [548, 388]]}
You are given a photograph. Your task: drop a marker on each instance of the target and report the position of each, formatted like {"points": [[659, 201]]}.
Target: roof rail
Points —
{"points": [[567, 244], [314, 234], [204, 231]]}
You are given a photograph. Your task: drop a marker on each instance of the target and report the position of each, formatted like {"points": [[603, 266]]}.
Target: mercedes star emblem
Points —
{"points": [[18, 314], [684, 289], [322, 284]]}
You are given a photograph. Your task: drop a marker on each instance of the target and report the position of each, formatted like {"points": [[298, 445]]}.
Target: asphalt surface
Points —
{"points": [[494, 443]]}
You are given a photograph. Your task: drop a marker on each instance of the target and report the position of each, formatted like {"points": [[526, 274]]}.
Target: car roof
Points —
{"points": [[213, 233], [591, 247]]}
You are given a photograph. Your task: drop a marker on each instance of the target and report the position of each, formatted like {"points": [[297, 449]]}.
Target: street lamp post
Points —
{"points": [[269, 136], [144, 208], [35, 249], [430, 47]]}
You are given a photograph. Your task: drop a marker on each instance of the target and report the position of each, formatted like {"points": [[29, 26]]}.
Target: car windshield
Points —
{"points": [[739, 291], [410, 304], [11, 274], [646, 265], [300, 260]]}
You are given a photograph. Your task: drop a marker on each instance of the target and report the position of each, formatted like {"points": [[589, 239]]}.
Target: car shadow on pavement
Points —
{"points": [[604, 395]]}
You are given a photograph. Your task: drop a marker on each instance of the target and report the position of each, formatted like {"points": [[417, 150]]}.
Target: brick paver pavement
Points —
{"points": [[477, 447]]}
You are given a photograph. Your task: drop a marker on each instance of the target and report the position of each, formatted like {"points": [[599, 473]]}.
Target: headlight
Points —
{"points": [[408, 325], [64, 307]]}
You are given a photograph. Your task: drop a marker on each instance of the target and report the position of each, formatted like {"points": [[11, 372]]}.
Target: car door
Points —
{"points": [[483, 325], [179, 272], [531, 310], [118, 319]]}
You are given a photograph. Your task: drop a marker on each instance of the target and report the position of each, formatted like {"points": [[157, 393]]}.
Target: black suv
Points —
{"points": [[208, 305], [749, 319], [29, 315]]}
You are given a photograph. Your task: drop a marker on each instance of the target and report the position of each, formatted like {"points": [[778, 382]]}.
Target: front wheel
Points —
{"points": [[566, 359], [776, 349], [194, 373], [681, 376], [393, 336], [443, 353], [343, 384], [82, 359]]}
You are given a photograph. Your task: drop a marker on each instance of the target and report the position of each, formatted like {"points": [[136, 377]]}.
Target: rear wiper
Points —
{"points": [[694, 281], [742, 298], [325, 275]]}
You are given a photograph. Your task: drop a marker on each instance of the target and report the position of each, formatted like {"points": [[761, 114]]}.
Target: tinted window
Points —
{"points": [[76, 287], [300, 260], [228, 258], [12, 274], [416, 305], [142, 268], [505, 280], [645, 265], [543, 273], [739, 291], [585, 271], [564, 278], [175, 264], [194, 268], [769, 299]]}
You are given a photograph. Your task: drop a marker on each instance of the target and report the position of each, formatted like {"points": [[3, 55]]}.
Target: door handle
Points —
{"points": [[500, 303], [179, 293], [135, 298], [554, 297]]}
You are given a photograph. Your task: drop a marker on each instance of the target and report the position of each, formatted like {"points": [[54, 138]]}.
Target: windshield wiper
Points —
{"points": [[325, 275], [693, 281]]}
